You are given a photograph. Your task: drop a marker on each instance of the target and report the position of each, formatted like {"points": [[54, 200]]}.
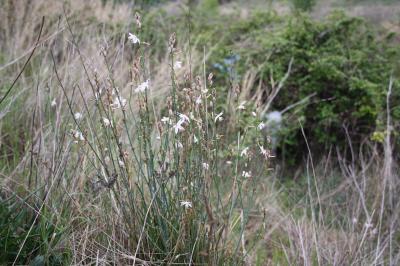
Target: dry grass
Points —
{"points": [[376, 12], [353, 222]]}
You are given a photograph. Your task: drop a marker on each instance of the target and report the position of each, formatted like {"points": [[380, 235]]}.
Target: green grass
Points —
{"points": [[35, 240]]}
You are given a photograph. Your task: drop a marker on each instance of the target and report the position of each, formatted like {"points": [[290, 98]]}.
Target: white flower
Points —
{"points": [[195, 139], [133, 38], [107, 122], [77, 135], [98, 93], [254, 114], [246, 174], [219, 117], [177, 65], [78, 116], [228, 162], [354, 220], [261, 126], [198, 100], [142, 87], [121, 163], [206, 166], [184, 117], [186, 204], [166, 120], [264, 151], [115, 91], [178, 127], [158, 138], [118, 103], [179, 145], [244, 152], [97, 96], [368, 225], [53, 103], [241, 105]]}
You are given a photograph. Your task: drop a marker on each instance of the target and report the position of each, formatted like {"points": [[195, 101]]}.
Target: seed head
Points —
{"points": [[137, 18]]}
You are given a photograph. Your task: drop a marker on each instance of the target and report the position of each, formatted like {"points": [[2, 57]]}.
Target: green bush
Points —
{"points": [[303, 5], [343, 62]]}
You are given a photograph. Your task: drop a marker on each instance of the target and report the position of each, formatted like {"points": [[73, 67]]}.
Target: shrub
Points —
{"points": [[342, 64], [303, 5]]}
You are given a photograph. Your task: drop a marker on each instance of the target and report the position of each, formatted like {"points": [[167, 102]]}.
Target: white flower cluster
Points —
{"points": [[77, 136], [78, 116], [142, 87], [246, 174], [118, 103], [133, 38], [186, 204], [218, 117], [178, 127]]}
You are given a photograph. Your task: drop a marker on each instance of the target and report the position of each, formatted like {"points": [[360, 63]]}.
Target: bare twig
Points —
{"points": [[26, 63]]}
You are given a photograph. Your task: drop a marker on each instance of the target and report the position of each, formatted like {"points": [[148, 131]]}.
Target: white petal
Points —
{"points": [[142, 87], [177, 65], [133, 38]]}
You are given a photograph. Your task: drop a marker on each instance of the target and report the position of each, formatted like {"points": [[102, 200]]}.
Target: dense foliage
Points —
{"points": [[342, 64], [304, 5]]}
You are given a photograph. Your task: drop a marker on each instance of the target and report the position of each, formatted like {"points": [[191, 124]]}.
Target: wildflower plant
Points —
{"points": [[148, 179], [132, 155], [162, 173]]}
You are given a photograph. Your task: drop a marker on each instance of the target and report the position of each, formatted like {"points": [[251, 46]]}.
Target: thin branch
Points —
{"points": [[26, 63]]}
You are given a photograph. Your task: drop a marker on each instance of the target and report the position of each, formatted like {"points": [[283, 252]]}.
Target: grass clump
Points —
{"points": [[152, 148], [25, 238], [143, 171], [164, 191]]}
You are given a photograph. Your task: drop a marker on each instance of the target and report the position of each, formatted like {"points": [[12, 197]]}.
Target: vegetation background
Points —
{"points": [[160, 132]]}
